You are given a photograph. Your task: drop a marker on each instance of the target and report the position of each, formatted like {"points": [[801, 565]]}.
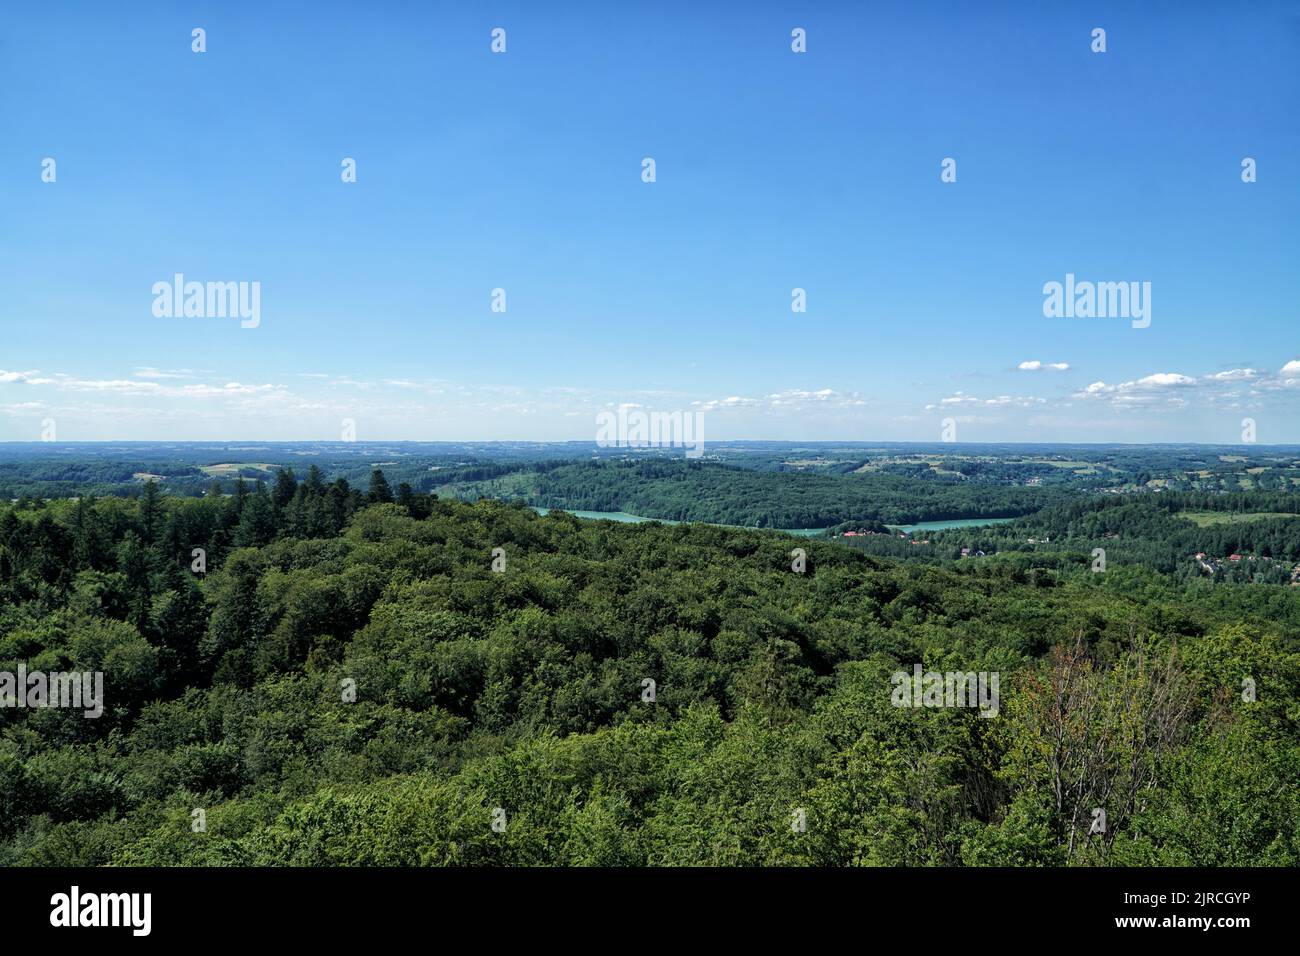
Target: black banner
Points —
{"points": [[252, 905]]}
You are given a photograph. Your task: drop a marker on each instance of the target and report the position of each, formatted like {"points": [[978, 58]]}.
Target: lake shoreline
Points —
{"points": [[624, 517]]}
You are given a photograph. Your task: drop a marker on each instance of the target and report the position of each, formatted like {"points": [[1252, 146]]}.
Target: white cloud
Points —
{"points": [[6, 377], [1034, 365], [961, 398], [1236, 388], [1161, 380], [24, 408], [789, 399], [148, 371], [731, 401], [1139, 388]]}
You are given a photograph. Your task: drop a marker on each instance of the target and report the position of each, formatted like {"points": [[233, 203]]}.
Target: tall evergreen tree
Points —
{"points": [[315, 482], [235, 506], [285, 486], [379, 493], [150, 512], [257, 524]]}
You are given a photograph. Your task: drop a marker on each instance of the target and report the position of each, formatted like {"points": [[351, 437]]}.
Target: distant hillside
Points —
{"points": [[726, 494]]}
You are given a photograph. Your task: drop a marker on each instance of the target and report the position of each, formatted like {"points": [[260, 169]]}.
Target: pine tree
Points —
{"points": [[285, 486], [150, 512], [83, 549], [315, 483], [235, 506], [380, 493], [257, 521]]}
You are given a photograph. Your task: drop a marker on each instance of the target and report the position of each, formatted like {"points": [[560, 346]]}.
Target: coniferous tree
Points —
{"points": [[235, 506], [379, 493], [150, 512], [133, 561], [180, 620], [285, 486], [257, 522], [83, 543]]}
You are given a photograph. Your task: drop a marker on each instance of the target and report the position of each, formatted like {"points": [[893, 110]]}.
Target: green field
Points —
{"points": [[1204, 519], [230, 469]]}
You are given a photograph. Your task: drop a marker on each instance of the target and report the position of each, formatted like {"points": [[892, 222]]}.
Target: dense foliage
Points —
{"points": [[732, 495], [514, 679], [1242, 537]]}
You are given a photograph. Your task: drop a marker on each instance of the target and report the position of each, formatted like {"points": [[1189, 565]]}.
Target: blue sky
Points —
{"points": [[774, 170]]}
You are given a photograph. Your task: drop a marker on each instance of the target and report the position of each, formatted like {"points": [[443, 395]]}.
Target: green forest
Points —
{"points": [[736, 495], [305, 671], [1162, 532]]}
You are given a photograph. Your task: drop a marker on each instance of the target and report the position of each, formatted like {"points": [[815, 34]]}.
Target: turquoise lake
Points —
{"points": [[950, 523], [803, 532], [636, 519]]}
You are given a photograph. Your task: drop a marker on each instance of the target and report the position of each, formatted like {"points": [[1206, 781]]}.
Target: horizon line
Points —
{"points": [[630, 448]]}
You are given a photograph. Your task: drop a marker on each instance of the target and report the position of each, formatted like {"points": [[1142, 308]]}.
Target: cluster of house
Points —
{"points": [[1211, 565], [879, 534], [965, 552]]}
